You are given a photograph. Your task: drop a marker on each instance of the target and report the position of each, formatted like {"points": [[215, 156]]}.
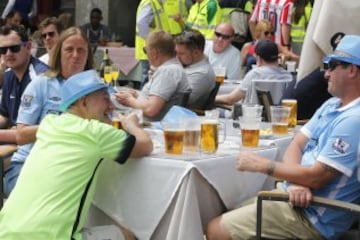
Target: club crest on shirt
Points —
{"points": [[340, 146], [26, 100]]}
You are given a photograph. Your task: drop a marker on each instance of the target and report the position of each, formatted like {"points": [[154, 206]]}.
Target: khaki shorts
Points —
{"points": [[108, 232], [280, 220]]}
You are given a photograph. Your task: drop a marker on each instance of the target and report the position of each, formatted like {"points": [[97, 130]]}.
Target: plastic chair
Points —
{"points": [[265, 99], [319, 201], [210, 102]]}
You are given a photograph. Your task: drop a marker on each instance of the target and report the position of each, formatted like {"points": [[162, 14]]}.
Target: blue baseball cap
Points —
{"points": [[348, 50], [78, 86]]}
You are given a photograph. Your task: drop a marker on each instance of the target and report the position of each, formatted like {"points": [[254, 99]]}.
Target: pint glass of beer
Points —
{"points": [[174, 137], [209, 141], [210, 131], [292, 103], [250, 131], [115, 120], [280, 119], [192, 134], [220, 74]]}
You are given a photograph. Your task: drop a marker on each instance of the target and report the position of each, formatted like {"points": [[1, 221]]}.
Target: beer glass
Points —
{"points": [[174, 137], [115, 72], [107, 74], [192, 134], [250, 131], [220, 74], [280, 119], [251, 110], [292, 103], [209, 132], [115, 120]]}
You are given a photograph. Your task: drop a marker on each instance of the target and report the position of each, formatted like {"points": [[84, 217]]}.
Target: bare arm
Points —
{"points": [[26, 133], [143, 145], [150, 106], [294, 151], [244, 53], [285, 33], [230, 98], [313, 177]]}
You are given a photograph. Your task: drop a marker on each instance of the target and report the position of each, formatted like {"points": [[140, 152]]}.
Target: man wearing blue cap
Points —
{"points": [[321, 160], [56, 185]]}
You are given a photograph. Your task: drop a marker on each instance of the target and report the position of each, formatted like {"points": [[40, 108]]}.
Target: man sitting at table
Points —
{"points": [[321, 160], [166, 86], [189, 48], [59, 176], [268, 69], [221, 53]]}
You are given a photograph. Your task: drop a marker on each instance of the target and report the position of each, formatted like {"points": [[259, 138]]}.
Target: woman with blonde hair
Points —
{"points": [[263, 30]]}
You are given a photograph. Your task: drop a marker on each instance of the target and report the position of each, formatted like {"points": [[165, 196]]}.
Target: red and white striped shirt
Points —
{"points": [[276, 11]]}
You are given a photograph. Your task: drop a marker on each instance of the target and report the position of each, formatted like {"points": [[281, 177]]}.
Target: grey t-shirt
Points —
{"points": [[169, 82], [270, 78], [201, 78]]}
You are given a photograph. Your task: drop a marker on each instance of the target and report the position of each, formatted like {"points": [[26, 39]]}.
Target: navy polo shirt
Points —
{"points": [[12, 89]]}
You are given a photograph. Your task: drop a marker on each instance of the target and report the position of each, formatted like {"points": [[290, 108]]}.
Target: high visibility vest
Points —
{"points": [[160, 23], [225, 12], [298, 30], [198, 18], [173, 8]]}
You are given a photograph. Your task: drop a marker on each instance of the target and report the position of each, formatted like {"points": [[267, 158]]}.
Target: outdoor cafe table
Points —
{"points": [[174, 197]]}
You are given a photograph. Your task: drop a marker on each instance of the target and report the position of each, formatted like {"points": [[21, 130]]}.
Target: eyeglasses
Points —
{"points": [[144, 50], [268, 32], [223, 36], [12, 48], [331, 65], [49, 34]]}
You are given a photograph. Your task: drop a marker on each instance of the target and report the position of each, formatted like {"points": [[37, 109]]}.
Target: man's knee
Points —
{"points": [[215, 230]]}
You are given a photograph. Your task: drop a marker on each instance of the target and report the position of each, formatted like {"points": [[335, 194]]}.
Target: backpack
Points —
{"points": [[239, 21]]}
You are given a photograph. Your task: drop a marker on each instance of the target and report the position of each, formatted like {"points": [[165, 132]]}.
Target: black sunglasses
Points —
{"points": [[268, 32], [331, 65], [12, 48], [144, 50], [223, 36], [49, 34]]}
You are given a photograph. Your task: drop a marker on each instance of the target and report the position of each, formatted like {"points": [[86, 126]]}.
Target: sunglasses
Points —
{"points": [[223, 36], [268, 32], [144, 50], [12, 48], [48, 34], [331, 65]]}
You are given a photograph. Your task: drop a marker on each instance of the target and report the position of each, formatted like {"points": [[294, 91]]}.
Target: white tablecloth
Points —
{"points": [[174, 197]]}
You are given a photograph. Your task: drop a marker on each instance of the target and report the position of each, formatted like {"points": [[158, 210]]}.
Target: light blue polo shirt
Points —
{"points": [[41, 97], [334, 139]]}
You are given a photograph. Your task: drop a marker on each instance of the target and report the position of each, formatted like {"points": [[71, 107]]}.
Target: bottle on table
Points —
{"points": [[106, 68]]}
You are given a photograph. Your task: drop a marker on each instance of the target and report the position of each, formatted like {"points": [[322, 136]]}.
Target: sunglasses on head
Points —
{"points": [[49, 34], [268, 32], [223, 36], [331, 65], [12, 48]]}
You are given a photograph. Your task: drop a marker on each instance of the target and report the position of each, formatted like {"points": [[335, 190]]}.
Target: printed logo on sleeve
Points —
{"points": [[340, 146], [26, 100]]}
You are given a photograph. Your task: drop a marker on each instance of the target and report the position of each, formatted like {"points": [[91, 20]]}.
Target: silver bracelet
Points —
{"points": [[271, 168]]}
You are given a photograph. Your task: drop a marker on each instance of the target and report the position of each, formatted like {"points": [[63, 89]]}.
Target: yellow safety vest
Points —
{"points": [[198, 18], [160, 23], [225, 12], [173, 8], [298, 30]]}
